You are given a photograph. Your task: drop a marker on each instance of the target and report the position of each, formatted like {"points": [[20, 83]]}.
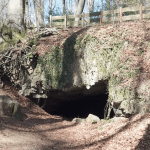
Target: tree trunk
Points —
{"points": [[3, 12], [42, 10], [64, 7], [16, 13], [36, 20], [2, 3], [79, 9], [27, 14], [39, 14], [90, 5]]}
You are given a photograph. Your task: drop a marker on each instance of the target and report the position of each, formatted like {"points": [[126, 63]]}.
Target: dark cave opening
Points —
{"points": [[80, 108]]}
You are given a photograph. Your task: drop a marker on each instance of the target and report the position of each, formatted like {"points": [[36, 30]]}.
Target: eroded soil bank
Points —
{"points": [[44, 131]]}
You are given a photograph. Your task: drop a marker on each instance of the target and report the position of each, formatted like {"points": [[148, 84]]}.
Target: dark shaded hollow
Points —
{"points": [[81, 107], [6, 80]]}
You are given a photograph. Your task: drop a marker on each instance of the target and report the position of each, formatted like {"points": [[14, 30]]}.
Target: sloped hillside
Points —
{"points": [[43, 131], [125, 47], [120, 55]]}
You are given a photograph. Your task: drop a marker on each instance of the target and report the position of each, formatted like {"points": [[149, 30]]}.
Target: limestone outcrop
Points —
{"points": [[82, 67]]}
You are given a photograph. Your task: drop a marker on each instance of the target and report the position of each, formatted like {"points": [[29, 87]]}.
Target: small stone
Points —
{"points": [[92, 119]]}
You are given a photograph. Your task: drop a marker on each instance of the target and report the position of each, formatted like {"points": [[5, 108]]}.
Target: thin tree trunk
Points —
{"points": [[36, 19], [64, 7], [3, 11], [42, 10], [23, 17], [27, 14], [90, 5], [2, 3], [39, 14]]}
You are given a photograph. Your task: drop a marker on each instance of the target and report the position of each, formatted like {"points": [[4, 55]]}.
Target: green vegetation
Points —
{"points": [[106, 53], [51, 64], [11, 37], [100, 128], [103, 123], [33, 41]]}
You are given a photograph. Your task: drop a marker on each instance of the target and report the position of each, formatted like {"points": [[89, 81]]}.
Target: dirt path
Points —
{"points": [[42, 131]]}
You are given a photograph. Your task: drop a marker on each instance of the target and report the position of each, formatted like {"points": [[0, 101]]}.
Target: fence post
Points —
{"points": [[120, 14], [65, 21], [141, 16], [50, 22], [101, 16], [82, 19]]}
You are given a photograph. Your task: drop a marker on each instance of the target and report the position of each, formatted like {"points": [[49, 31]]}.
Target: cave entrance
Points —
{"points": [[83, 107]]}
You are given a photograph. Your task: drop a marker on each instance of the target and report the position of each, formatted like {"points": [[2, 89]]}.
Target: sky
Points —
{"points": [[59, 4], [58, 7]]}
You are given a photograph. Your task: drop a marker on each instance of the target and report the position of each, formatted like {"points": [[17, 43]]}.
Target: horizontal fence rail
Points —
{"points": [[86, 18]]}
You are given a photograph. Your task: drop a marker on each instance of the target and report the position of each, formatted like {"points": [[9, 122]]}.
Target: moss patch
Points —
{"points": [[51, 64], [11, 36]]}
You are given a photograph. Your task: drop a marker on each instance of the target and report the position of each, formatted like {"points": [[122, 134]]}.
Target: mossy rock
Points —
{"points": [[10, 107], [91, 119]]}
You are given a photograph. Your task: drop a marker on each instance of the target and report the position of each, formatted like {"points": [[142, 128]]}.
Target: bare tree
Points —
{"points": [[16, 14], [102, 5], [76, 4], [70, 7], [2, 3], [3, 11], [51, 7], [50, 10], [90, 5], [110, 5], [79, 9], [64, 7], [27, 20], [39, 13]]}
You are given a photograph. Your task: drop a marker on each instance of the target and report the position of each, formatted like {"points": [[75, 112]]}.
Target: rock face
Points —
{"points": [[24, 70], [10, 108], [71, 73]]}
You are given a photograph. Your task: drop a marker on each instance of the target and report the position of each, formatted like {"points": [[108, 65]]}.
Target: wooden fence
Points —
{"points": [[101, 17]]}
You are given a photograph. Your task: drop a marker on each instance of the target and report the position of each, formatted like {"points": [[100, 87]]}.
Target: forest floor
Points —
{"points": [[42, 131]]}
